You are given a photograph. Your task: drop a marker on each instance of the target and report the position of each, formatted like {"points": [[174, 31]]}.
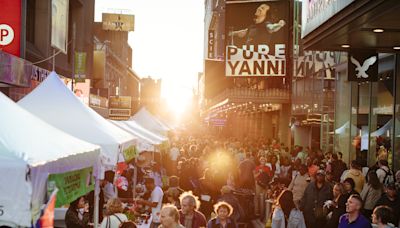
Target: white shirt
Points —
{"points": [[295, 220], [156, 196], [113, 220], [174, 153], [381, 173], [109, 192], [157, 178]]}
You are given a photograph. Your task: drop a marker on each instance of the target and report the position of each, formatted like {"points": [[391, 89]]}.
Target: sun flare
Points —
{"points": [[177, 101]]}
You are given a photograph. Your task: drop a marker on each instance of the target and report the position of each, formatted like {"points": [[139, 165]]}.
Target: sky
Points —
{"points": [[167, 42]]}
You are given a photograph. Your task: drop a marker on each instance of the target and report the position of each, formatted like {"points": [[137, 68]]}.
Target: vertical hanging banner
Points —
{"points": [[59, 24], [363, 66], [210, 47], [10, 26], [80, 65], [256, 38], [71, 185]]}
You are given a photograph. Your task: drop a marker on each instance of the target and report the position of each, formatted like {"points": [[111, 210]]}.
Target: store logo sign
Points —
{"points": [[6, 34], [10, 27], [367, 71], [362, 70]]}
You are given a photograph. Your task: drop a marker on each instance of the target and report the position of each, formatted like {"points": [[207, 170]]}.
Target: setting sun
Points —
{"points": [[177, 99]]}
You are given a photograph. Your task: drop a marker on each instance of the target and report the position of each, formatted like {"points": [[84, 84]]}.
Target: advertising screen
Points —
{"points": [[256, 38]]}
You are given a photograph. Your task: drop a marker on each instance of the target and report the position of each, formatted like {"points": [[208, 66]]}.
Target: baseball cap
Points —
{"points": [[321, 172]]}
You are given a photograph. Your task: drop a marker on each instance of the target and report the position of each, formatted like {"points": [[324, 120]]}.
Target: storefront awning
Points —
{"points": [[353, 25]]}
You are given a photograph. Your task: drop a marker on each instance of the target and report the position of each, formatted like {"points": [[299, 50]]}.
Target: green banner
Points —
{"points": [[80, 65], [130, 153], [71, 185]]}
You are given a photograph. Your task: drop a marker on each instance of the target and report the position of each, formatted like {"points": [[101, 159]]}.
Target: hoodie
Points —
{"points": [[357, 176], [295, 220]]}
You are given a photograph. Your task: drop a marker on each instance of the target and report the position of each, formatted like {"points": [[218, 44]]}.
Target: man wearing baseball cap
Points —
{"points": [[315, 195], [392, 200]]}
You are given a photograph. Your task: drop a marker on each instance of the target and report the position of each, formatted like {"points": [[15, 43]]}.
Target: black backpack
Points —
{"points": [[389, 177], [263, 180]]}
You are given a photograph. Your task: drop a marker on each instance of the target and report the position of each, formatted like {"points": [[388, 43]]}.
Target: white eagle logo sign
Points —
{"points": [[361, 70]]}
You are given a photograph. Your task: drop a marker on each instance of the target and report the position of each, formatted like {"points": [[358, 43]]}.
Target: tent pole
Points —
{"points": [[135, 171], [96, 202]]}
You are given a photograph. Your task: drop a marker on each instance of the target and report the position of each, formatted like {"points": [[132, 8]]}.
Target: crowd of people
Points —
{"points": [[244, 183]]}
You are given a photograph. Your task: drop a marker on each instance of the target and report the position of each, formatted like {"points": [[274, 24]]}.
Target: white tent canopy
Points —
{"points": [[54, 103], [147, 138], [30, 150], [150, 122]]}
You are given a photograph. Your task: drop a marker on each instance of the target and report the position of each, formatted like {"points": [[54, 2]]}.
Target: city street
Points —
{"points": [[200, 113]]}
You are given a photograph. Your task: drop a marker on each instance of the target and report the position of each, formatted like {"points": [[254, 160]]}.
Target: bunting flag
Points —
{"points": [[47, 219]]}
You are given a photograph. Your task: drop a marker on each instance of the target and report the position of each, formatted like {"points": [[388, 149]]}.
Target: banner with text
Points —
{"points": [[80, 65], [71, 185], [256, 38]]}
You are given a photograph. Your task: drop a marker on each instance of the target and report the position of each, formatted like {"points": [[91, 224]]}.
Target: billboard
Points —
{"points": [[10, 26], [257, 35], [59, 24], [118, 22]]}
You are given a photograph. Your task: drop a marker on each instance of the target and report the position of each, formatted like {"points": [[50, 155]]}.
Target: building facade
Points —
{"points": [[243, 95], [365, 38], [312, 93], [113, 73], [150, 94], [36, 51]]}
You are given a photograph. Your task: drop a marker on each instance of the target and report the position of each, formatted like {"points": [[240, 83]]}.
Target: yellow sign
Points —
{"points": [[120, 102], [118, 22]]}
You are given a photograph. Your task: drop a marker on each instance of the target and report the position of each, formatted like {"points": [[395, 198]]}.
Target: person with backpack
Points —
{"points": [[263, 176], [223, 210], [385, 174], [115, 216]]}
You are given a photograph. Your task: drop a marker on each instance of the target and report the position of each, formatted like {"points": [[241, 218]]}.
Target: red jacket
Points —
{"points": [[199, 220]]}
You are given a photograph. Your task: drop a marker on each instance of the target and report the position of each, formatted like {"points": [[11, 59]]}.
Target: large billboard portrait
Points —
{"points": [[256, 38]]}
